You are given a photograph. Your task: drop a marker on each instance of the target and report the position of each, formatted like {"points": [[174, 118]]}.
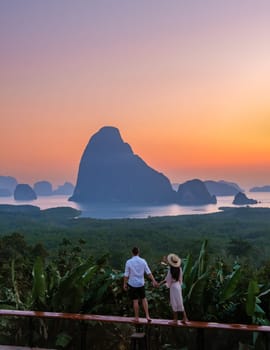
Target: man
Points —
{"points": [[135, 269]]}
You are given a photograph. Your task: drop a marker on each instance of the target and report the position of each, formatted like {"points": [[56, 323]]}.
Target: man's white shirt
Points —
{"points": [[135, 269]]}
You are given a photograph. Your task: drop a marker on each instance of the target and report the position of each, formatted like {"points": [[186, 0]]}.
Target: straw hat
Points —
{"points": [[174, 260]]}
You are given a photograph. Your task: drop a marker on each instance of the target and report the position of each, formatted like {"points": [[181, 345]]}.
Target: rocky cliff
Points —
{"points": [[241, 199], [194, 192], [24, 192], [110, 172]]}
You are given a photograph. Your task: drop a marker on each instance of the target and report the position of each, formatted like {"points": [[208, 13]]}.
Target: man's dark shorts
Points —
{"points": [[136, 292]]}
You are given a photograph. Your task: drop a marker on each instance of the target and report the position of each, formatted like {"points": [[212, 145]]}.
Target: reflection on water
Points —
{"points": [[116, 211], [101, 211]]}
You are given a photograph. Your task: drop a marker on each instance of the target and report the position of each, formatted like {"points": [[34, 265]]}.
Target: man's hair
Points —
{"points": [[135, 251]]}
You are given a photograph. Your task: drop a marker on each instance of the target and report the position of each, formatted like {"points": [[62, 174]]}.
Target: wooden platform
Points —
{"points": [[14, 347], [142, 321], [199, 326]]}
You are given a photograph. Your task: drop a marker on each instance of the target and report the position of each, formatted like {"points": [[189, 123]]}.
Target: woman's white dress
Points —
{"points": [[176, 299]]}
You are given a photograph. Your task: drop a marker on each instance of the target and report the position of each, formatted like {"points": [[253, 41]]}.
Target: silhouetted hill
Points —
{"points": [[43, 188], [218, 188], [24, 192], [110, 172], [4, 192], [26, 209], [232, 184], [222, 188], [30, 218], [260, 189], [7, 185], [194, 192], [241, 199], [66, 189]]}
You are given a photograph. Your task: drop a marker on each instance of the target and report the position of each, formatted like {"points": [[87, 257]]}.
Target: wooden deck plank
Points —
{"points": [[14, 347], [142, 321]]}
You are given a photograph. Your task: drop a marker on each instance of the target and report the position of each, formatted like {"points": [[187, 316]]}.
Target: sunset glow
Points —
{"points": [[186, 82]]}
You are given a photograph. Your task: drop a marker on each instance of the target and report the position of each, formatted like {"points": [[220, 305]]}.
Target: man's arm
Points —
{"points": [[125, 283], [152, 278], [149, 274], [126, 275]]}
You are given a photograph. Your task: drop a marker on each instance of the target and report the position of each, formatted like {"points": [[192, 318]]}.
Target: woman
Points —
{"points": [[173, 281]]}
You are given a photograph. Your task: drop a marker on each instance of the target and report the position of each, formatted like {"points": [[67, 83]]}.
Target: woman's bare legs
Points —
{"points": [[175, 318], [185, 319]]}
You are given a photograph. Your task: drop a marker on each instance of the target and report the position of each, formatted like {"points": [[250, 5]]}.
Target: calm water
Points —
{"points": [[108, 212]]}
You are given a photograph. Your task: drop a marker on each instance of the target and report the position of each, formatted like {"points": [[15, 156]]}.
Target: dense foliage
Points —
{"points": [[236, 233], [52, 262]]}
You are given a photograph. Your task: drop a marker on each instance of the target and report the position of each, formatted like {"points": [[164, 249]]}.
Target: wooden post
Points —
{"points": [[200, 339], [30, 339], [138, 341], [83, 326], [266, 340]]}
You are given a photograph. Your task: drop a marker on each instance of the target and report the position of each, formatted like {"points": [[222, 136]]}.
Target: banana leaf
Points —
{"points": [[253, 290], [187, 276], [231, 284], [70, 293], [39, 282], [202, 259], [196, 292], [15, 287]]}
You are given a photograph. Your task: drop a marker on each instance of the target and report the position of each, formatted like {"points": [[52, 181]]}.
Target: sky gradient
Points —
{"points": [[186, 82]]}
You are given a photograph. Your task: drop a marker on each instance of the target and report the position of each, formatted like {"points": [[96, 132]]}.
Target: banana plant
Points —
{"points": [[208, 292], [255, 311], [225, 293], [69, 296], [253, 301], [195, 276], [15, 286], [51, 292], [194, 271]]}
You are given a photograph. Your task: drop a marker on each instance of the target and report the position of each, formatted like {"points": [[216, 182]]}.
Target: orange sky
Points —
{"points": [[186, 83]]}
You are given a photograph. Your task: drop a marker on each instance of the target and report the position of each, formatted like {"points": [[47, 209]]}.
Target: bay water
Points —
{"points": [[120, 211]]}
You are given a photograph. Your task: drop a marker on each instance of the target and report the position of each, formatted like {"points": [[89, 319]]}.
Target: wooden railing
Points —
{"points": [[200, 326]]}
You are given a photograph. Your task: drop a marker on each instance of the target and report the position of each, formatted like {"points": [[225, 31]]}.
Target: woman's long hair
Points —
{"points": [[175, 272]]}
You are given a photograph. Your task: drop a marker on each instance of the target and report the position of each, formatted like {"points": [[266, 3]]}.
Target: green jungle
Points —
{"points": [[53, 260]]}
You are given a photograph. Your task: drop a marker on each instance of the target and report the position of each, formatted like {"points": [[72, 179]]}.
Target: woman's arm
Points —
{"points": [[162, 282], [181, 276]]}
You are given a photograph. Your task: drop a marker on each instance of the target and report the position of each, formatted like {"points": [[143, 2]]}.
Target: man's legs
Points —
{"points": [[136, 309], [145, 307]]}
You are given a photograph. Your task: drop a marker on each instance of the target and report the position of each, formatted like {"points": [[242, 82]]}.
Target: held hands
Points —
{"points": [[155, 283], [160, 283]]}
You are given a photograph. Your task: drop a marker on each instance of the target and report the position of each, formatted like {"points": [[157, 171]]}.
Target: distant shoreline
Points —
{"points": [[73, 213]]}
